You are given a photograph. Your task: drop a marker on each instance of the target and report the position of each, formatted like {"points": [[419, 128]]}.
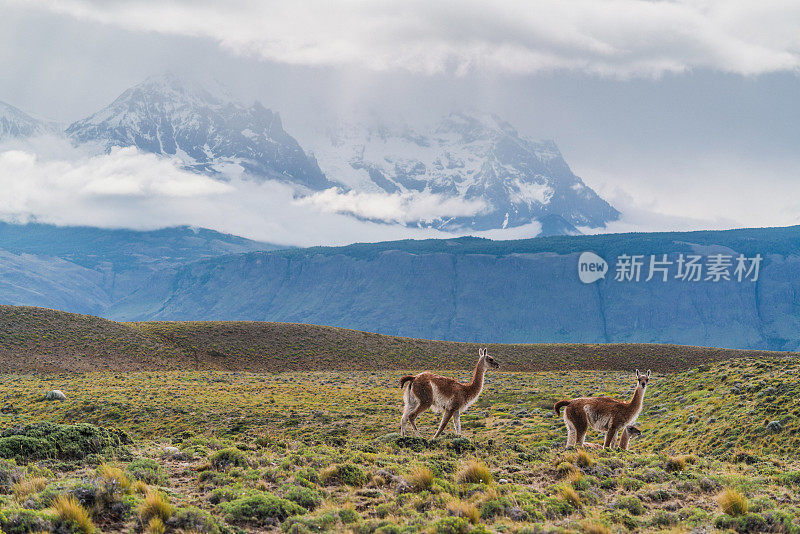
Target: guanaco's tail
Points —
{"points": [[407, 378], [559, 405]]}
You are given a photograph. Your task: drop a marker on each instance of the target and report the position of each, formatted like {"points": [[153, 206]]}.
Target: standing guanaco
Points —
{"points": [[604, 414], [441, 394]]}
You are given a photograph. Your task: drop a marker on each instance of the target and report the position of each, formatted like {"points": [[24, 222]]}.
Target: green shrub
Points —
{"points": [[24, 522], [346, 474], [10, 474], [147, 470], [302, 524], [260, 509], [226, 458], [193, 519], [306, 497], [349, 516], [224, 494], [51, 441], [632, 504], [744, 524], [452, 525]]}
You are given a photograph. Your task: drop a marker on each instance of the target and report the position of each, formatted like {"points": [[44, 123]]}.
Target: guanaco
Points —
{"points": [[630, 432], [604, 414], [441, 394]]}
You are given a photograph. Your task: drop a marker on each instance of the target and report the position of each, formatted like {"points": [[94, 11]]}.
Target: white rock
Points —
{"points": [[55, 395]]}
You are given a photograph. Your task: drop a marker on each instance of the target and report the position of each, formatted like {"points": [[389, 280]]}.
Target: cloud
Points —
{"points": [[401, 208], [49, 181], [619, 38]]}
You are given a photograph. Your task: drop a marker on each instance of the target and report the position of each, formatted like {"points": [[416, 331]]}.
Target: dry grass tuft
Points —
{"points": [[155, 504], [569, 495], [567, 470], [594, 527], [676, 463], [732, 502], [474, 472], [584, 459], [467, 510], [156, 526], [115, 477], [69, 510], [420, 478], [28, 486]]}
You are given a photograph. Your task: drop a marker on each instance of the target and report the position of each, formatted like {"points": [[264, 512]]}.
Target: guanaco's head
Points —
{"points": [[633, 432], [642, 378], [487, 360]]}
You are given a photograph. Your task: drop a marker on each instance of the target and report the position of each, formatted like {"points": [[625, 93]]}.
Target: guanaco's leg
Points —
{"points": [[445, 419], [412, 418], [457, 423], [611, 438], [581, 423]]}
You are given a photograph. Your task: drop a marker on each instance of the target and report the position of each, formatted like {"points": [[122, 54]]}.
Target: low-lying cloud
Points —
{"points": [[49, 181], [400, 208], [619, 38]]}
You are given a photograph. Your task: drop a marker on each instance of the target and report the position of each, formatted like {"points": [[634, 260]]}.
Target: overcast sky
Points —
{"points": [[681, 114]]}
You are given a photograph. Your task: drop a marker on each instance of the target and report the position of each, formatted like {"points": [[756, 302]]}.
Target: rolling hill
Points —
{"points": [[39, 339]]}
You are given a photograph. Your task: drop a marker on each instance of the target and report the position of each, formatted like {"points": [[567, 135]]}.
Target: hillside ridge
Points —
{"points": [[44, 340]]}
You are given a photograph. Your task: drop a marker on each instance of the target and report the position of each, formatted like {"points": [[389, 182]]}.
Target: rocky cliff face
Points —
{"points": [[517, 291]]}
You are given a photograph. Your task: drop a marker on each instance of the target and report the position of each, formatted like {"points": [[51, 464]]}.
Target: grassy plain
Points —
{"points": [[227, 451]]}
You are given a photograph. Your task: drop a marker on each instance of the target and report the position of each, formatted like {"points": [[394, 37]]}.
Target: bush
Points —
{"points": [[348, 516], [193, 519], [72, 515], [226, 458], [224, 494], [420, 478], [474, 472], [347, 474], [732, 502], [452, 525], [306, 497], [10, 474], [631, 504], [147, 470], [260, 508], [43, 441], [23, 522], [304, 524]]}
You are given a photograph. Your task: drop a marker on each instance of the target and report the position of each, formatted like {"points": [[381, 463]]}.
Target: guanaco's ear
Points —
{"points": [[648, 373], [638, 374], [481, 352]]}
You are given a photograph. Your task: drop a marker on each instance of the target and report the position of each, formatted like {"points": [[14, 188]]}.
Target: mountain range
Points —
{"points": [[475, 157], [464, 289]]}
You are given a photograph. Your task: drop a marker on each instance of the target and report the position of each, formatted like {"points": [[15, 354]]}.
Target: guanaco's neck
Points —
{"points": [[638, 397], [476, 384]]}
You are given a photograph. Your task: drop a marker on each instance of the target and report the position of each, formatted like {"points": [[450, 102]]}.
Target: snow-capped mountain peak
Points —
{"points": [[472, 156], [209, 131], [16, 124]]}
